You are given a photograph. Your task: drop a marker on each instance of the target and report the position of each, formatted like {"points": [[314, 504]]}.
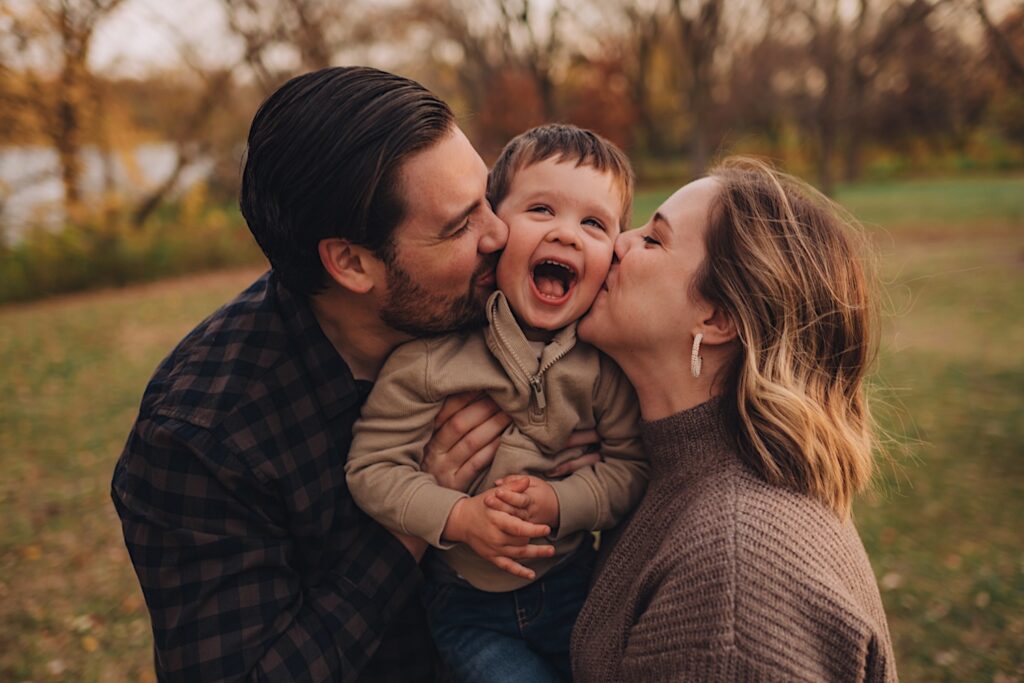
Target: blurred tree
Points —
{"points": [[49, 41], [1000, 42], [510, 53], [847, 44], [624, 38], [699, 23], [281, 38]]}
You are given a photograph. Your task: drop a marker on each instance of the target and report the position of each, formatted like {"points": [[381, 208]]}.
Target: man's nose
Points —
{"points": [[495, 234]]}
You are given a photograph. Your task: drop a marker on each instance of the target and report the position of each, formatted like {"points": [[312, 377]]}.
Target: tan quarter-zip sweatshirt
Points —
{"points": [[572, 386]]}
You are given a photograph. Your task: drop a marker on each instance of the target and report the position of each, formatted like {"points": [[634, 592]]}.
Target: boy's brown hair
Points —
{"points": [[564, 143]]}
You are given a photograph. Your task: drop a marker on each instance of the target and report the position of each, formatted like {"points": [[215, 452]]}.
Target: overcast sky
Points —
{"points": [[144, 34]]}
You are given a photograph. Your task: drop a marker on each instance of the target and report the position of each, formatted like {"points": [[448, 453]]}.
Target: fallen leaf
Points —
{"points": [[90, 644]]}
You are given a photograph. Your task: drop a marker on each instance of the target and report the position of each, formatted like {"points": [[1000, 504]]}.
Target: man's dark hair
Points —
{"points": [[323, 157]]}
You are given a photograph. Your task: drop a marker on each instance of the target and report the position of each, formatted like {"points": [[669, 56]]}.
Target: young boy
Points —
{"points": [[565, 194]]}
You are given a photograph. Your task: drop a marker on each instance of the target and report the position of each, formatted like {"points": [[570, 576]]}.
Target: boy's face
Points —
{"points": [[563, 220]]}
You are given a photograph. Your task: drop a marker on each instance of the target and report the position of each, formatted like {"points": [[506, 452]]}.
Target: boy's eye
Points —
{"points": [[594, 223], [650, 240], [540, 208]]}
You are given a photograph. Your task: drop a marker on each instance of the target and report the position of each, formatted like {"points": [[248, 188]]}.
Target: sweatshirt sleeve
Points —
{"points": [[599, 496], [383, 467]]}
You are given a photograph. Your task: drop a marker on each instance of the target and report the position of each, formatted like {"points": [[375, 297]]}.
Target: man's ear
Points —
{"points": [[718, 327], [353, 267]]}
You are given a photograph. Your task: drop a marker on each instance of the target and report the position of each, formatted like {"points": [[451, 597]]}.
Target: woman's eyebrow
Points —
{"points": [[661, 226]]}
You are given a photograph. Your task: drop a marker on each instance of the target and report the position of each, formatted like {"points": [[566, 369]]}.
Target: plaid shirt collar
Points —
{"points": [[335, 388]]}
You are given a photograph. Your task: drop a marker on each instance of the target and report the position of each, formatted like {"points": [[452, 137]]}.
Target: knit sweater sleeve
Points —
{"points": [[383, 466], [739, 604]]}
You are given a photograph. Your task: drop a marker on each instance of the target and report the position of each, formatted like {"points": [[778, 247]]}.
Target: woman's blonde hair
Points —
{"points": [[791, 269]]}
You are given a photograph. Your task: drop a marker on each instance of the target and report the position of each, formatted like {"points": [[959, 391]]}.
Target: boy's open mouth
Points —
{"points": [[553, 279]]}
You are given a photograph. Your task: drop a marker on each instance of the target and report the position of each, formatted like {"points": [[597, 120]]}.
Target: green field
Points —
{"points": [[943, 528]]}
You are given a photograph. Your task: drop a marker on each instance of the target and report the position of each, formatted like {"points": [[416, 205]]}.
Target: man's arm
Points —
{"points": [[217, 561]]}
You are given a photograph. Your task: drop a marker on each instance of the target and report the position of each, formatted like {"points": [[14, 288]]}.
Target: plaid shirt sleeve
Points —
{"points": [[253, 558], [220, 578]]}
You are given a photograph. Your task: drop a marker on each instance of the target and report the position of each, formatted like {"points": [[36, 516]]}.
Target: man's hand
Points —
{"points": [[528, 498], [496, 536], [466, 436]]}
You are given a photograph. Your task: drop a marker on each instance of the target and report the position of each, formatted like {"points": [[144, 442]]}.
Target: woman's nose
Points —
{"points": [[623, 243]]}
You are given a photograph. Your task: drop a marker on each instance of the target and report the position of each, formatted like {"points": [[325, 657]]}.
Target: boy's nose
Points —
{"points": [[566, 234]]}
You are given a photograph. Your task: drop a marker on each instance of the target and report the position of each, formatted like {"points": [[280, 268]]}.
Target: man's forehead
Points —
{"points": [[443, 179]]}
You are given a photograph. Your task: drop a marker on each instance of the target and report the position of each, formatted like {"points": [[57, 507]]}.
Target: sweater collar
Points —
{"points": [[688, 442], [504, 334]]}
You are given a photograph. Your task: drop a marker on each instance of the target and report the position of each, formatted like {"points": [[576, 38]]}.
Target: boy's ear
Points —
{"points": [[718, 327], [353, 267]]}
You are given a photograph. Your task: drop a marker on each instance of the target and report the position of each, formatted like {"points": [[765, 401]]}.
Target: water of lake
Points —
{"points": [[31, 191]]}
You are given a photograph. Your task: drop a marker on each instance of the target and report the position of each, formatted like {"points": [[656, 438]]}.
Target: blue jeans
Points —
{"points": [[522, 635]]}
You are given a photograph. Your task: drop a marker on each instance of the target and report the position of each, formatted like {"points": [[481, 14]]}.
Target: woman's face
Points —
{"points": [[647, 302]]}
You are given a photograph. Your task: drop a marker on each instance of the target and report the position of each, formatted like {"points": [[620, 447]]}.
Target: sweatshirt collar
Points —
{"points": [[505, 336]]}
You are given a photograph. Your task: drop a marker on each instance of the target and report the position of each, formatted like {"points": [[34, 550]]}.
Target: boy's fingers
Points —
{"points": [[513, 567], [517, 527], [515, 482], [495, 504], [519, 500], [529, 551]]}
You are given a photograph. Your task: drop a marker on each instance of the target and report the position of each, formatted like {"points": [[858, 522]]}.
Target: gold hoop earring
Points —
{"points": [[695, 359]]}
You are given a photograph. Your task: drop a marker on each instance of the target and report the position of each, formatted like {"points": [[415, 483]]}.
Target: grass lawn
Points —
{"points": [[942, 529]]}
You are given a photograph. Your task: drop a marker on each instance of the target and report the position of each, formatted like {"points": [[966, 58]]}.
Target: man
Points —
{"points": [[255, 564]]}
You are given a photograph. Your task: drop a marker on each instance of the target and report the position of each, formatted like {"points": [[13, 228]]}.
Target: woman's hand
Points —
{"points": [[586, 441], [495, 535], [466, 436]]}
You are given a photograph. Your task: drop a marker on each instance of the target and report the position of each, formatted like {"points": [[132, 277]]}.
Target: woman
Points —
{"points": [[742, 314]]}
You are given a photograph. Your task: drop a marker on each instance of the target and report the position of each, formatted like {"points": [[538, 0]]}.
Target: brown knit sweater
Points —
{"points": [[720, 576]]}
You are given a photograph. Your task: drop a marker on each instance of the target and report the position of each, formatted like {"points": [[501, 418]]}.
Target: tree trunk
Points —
{"points": [[66, 134]]}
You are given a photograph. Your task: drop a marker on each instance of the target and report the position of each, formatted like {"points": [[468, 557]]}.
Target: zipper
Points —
{"points": [[537, 381]]}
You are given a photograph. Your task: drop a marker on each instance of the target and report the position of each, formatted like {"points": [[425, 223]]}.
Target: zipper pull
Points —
{"points": [[537, 384]]}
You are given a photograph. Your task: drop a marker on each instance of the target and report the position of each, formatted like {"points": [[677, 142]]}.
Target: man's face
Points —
{"points": [[442, 267]]}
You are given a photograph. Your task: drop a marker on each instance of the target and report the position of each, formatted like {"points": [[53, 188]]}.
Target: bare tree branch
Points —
{"points": [[1014, 63]]}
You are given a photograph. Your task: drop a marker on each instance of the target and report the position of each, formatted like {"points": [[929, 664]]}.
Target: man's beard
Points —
{"points": [[411, 309]]}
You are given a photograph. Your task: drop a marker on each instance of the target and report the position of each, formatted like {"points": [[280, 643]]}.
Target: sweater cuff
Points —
{"points": [[427, 512], [577, 506]]}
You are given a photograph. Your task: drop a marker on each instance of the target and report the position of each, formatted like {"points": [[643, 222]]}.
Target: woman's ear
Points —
{"points": [[718, 327], [353, 267]]}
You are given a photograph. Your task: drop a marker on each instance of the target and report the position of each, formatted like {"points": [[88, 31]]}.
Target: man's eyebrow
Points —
{"points": [[455, 222]]}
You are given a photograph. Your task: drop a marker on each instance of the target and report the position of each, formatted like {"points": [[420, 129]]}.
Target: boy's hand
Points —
{"points": [[495, 535], [529, 498]]}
